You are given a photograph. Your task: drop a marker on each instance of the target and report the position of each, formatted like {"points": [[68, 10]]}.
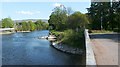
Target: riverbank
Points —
{"points": [[24, 31], [69, 41], [67, 49], [6, 32], [70, 50]]}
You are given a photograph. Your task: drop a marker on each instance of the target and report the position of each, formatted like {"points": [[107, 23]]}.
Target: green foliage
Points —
{"points": [[58, 18], [65, 26], [104, 15], [41, 25], [115, 16], [24, 26], [72, 38], [18, 27], [32, 25], [77, 20], [38, 25], [99, 14], [0, 24], [7, 23], [45, 25], [58, 34], [62, 19]]}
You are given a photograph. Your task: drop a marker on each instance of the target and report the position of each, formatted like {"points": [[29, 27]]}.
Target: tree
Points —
{"points": [[58, 18], [24, 26], [32, 26], [69, 11], [104, 15], [0, 24], [41, 25], [45, 25], [99, 14], [38, 25], [115, 15], [118, 16], [7, 23], [77, 20]]}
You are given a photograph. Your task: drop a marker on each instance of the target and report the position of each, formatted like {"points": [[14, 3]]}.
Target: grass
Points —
{"points": [[70, 37], [100, 31]]}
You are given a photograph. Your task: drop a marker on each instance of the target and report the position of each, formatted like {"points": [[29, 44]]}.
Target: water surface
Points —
{"points": [[27, 49]]}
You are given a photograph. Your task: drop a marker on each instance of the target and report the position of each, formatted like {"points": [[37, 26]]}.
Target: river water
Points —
{"points": [[27, 49]]}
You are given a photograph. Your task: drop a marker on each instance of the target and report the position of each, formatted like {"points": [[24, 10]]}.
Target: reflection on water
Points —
{"points": [[27, 49]]}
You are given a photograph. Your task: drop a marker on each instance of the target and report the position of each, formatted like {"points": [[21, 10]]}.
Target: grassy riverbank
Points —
{"points": [[70, 37]]}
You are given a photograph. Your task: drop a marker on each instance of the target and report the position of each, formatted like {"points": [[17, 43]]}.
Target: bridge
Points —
{"points": [[105, 47], [6, 29]]}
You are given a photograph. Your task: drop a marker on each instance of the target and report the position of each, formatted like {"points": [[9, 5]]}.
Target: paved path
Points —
{"points": [[105, 47]]}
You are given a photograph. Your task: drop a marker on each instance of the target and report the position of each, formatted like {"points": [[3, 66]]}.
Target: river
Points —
{"points": [[27, 49]]}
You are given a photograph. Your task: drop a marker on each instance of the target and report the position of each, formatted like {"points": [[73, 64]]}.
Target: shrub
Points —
{"points": [[72, 38], [58, 34]]}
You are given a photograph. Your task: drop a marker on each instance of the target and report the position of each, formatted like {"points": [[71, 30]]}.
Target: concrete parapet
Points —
{"points": [[90, 58]]}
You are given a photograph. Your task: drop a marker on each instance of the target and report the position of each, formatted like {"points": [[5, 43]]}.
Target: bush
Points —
{"points": [[72, 38], [58, 34]]}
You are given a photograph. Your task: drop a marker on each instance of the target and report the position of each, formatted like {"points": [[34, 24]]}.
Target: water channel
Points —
{"points": [[27, 49]]}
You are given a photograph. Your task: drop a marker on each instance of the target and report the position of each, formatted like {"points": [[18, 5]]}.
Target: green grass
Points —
{"points": [[58, 34], [100, 31], [70, 37]]}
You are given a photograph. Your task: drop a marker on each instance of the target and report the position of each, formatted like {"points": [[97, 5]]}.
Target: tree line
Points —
{"points": [[63, 18], [100, 16], [104, 15], [24, 25]]}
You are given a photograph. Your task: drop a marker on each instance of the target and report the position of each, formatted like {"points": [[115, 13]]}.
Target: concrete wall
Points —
{"points": [[90, 59]]}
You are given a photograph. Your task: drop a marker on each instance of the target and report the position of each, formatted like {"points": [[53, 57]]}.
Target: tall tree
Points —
{"points": [[38, 25], [77, 20], [58, 18], [32, 25], [41, 25], [69, 11], [99, 13], [115, 14], [24, 26], [7, 23]]}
